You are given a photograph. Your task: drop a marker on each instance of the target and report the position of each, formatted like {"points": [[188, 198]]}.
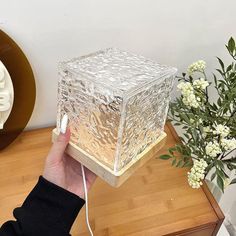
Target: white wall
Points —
{"points": [[171, 32]]}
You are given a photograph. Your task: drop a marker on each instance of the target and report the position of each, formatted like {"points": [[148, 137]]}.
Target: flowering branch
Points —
{"points": [[209, 127]]}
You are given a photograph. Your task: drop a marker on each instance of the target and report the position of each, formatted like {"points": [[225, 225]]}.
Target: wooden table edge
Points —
{"points": [[192, 230]]}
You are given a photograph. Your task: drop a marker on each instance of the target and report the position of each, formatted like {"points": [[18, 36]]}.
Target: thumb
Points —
{"points": [[58, 148]]}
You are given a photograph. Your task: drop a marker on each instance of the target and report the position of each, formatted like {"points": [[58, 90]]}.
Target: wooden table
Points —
{"points": [[156, 200]]}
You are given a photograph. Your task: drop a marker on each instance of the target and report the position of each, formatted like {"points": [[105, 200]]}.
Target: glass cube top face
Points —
{"points": [[117, 69]]}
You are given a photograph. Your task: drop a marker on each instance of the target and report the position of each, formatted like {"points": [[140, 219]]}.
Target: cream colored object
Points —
{"points": [[113, 178], [64, 123], [6, 94]]}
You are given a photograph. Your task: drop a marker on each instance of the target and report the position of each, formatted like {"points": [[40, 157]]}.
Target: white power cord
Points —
{"points": [[86, 200]]}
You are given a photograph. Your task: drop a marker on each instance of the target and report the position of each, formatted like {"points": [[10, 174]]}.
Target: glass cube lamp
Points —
{"points": [[117, 105]]}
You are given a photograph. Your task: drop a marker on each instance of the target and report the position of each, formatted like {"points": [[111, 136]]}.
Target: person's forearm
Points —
{"points": [[48, 210]]}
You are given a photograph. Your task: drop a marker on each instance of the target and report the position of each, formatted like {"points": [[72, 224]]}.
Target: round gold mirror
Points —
{"points": [[17, 90]]}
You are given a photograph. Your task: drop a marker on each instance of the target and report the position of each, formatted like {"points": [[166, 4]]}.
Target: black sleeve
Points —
{"points": [[49, 210]]}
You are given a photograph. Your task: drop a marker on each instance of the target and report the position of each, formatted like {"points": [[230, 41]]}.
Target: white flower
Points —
{"points": [[222, 130], [213, 149], [191, 120], [200, 121], [200, 84], [228, 144], [196, 66], [196, 174], [185, 87], [189, 98], [206, 130]]}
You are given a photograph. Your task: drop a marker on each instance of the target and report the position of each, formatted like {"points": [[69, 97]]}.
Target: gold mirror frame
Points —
{"points": [[24, 89]]}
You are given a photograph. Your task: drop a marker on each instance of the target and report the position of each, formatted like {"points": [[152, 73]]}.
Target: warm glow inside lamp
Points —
{"points": [[117, 104]]}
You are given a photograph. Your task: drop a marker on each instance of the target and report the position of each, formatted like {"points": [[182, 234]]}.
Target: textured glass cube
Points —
{"points": [[117, 104]]}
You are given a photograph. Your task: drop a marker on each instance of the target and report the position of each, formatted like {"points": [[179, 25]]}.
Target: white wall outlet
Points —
{"points": [[6, 94]]}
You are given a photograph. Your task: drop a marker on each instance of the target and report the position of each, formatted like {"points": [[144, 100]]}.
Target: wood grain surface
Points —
{"points": [[156, 200]]}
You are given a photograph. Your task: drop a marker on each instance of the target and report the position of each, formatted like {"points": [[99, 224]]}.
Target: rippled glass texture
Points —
{"points": [[116, 101]]}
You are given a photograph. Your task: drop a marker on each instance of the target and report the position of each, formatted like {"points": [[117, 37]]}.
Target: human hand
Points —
{"points": [[64, 171]]}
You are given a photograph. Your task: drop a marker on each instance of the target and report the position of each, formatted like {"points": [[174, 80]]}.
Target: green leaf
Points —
{"points": [[165, 157], [220, 173], [231, 45], [209, 167], [188, 163], [232, 75], [220, 72], [215, 79], [225, 110], [186, 135], [220, 164], [185, 118], [220, 183], [177, 124], [173, 162], [180, 164], [231, 167], [171, 150], [213, 176], [233, 160], [195, 134], [233, 181], [179, 149], [215, 107], [201, 129], [226, 175], [221, 64], [229, 68], [222, 81]]}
